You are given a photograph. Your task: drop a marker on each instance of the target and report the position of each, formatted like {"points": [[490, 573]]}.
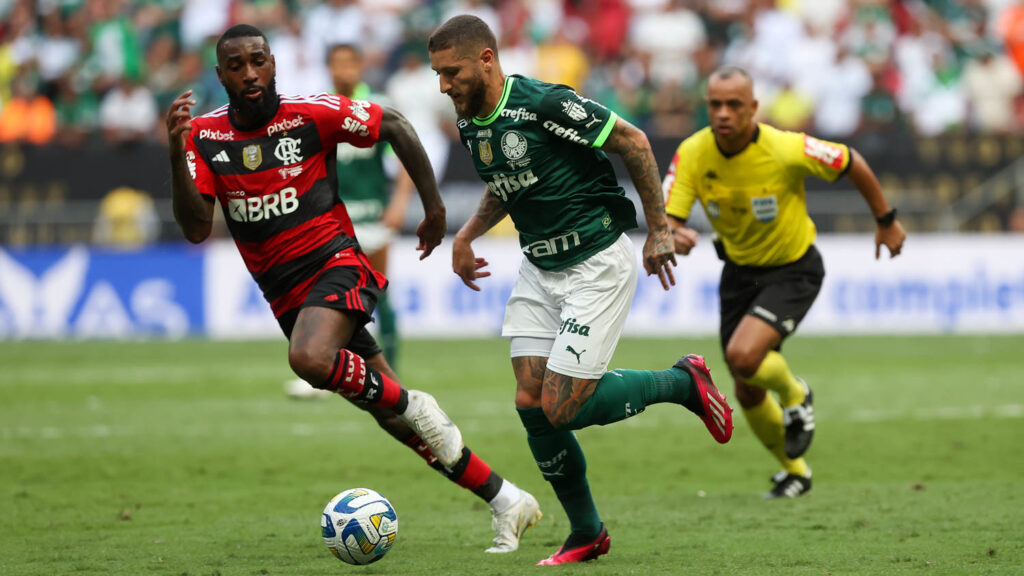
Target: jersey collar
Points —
{"points": [[753, 139], [501, 104]]}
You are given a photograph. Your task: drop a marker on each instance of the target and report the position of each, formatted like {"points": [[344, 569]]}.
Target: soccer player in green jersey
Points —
{"points": [[749, 178], [541, 150]]}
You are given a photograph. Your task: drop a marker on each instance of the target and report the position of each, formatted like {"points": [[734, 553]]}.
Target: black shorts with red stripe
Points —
{"points": [[351, 289]]}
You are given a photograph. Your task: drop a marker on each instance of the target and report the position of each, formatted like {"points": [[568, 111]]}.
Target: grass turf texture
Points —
{"points": [[187, 459]]}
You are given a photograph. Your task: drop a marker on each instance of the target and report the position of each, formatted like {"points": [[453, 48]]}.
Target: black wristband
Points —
{"points": [[887, 219]]}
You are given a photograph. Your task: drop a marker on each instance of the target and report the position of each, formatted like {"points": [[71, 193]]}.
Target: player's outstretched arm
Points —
{"points": [[464, 261], [889, 232], [632, 145], [397, 131], [192, 211]]}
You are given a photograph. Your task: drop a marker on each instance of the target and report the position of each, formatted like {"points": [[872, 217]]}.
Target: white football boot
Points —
{"points": [[509, 524], [434, 427]]}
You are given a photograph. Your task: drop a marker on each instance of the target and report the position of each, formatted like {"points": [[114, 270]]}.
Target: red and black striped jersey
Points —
{"points": [[278, 186]]}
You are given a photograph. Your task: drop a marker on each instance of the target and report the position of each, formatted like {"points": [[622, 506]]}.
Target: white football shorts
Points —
{"points": [[373, 236], [583, 308]]}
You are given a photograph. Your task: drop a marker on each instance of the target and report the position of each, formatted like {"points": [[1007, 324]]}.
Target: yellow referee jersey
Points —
{"points": [[754, 199]]}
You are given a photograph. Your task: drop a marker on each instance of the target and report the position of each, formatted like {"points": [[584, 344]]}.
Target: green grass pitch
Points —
{"points": [[187, 459]]}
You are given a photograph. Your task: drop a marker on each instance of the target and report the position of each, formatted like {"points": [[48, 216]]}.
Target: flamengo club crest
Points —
{"points": [[252, 156], [486, 155], [287, 150]]}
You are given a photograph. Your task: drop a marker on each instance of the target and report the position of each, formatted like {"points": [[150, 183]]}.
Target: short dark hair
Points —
{"points": [[726, 72], [239, 31], [342, 46], [463, 31]]}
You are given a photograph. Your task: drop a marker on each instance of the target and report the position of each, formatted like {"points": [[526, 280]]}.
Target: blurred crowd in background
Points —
{"points": [[78, 71]]}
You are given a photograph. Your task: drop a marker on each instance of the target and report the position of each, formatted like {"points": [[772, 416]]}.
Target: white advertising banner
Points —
{"points": [[940, 284]]}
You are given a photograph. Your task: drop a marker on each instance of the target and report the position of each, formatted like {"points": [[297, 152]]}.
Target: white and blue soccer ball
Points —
{"points": [[359, 526]]}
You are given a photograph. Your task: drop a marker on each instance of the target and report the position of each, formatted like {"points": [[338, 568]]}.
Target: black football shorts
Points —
{"points": [[779, 295], [351, 289]]}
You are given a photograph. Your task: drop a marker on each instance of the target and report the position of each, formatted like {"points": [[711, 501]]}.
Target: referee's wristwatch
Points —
{"points": [[887, 219]]}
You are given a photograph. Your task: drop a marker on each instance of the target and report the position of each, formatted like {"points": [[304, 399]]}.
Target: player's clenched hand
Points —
{"points": [[431, 231], [892, 236], [179, 121], [659, 257], [466, 265], [685, 239]]}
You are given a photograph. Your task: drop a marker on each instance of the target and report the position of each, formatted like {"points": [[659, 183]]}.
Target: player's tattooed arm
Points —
{"points": [[397, 131], [489, 212], [562, 397], [192, 211], [632, 145], [464, 261]]}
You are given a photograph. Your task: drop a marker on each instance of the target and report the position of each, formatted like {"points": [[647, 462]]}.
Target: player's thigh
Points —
{"points": [[594, 311], [317, 336], [335, 310], [737, 291]]}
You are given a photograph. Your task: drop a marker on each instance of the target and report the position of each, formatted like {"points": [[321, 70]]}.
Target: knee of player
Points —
{"points": [[310, 365], [527, 399], [749, 396], [559, 416], [743, 362]]}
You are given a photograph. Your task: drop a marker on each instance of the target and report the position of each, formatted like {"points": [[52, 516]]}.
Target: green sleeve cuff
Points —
{"points": [[606, 130]]}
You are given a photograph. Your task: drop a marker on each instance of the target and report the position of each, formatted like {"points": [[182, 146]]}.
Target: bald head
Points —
{"points": [[731, 107], [733, 76]]}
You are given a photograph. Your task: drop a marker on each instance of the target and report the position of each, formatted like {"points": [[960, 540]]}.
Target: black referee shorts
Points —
{"points": [[779, 295]]}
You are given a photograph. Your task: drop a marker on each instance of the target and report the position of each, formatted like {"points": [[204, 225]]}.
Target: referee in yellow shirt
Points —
{"points": [[749, 177]]}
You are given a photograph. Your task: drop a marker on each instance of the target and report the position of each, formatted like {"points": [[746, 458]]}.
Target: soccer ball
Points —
{"points": [[359, 526]]}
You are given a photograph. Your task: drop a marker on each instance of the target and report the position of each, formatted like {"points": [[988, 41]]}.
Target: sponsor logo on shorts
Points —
{"points": [[572, 351], [571, 326]]}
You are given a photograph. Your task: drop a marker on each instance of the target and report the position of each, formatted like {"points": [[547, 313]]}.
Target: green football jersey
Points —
{"points": [[363, 185], [538, 151]]}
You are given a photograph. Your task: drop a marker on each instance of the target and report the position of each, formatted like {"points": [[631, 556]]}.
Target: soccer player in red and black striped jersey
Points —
{"points": [[270, 162]]}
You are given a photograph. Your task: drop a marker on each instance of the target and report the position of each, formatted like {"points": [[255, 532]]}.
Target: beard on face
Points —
{"points": [[258, 112], [475, 98]]}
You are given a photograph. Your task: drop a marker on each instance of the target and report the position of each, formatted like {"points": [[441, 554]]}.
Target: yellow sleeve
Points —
{"points": [[678, 185], [820, 158]]}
